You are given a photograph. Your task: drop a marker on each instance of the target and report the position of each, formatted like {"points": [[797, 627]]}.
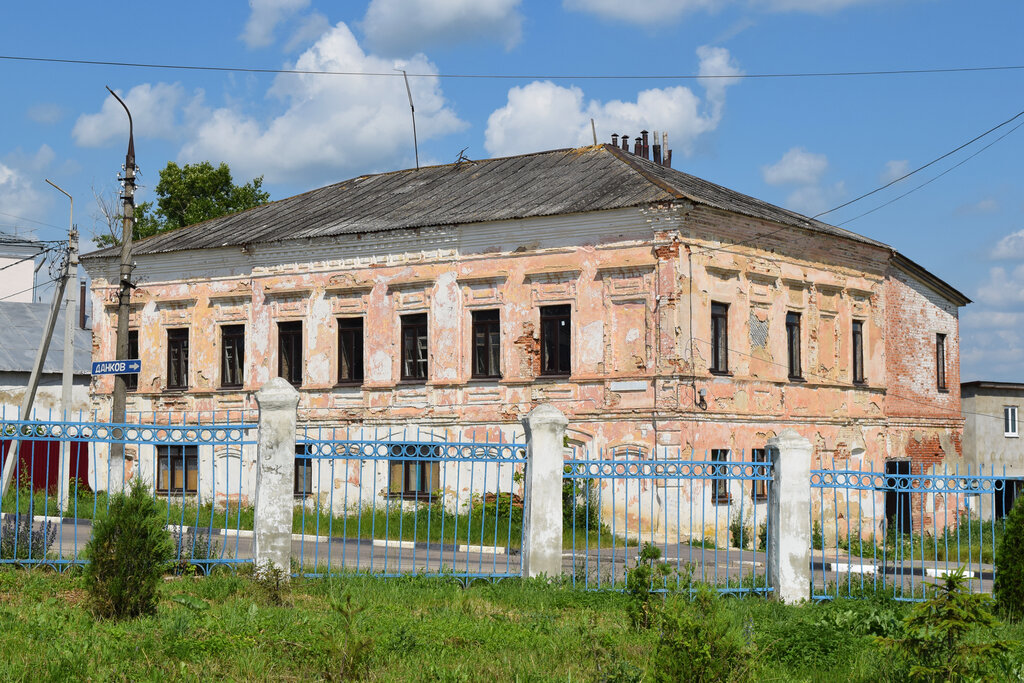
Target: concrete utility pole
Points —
{"points": [[44, 347], [68, 372], [124, 299]]}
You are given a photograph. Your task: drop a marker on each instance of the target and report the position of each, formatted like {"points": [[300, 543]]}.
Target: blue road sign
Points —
{"points": [[117, 367]]}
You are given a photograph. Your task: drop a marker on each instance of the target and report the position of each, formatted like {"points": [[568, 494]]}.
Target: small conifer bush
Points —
{"points": [[128, 554], [1009, 581]]}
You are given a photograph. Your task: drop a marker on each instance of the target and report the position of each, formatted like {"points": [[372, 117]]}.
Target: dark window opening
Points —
{"points": [[759, 487], [414, 347], [350, 350], [232, 355], [719, 338], [858, 352], [131, 382], [177, 469], [289, 351], [555, 340], [415, 471], [177, 358], [940, 361], [486, 344], [897, 497], [303, 472], [793, 345], [720, 482]]}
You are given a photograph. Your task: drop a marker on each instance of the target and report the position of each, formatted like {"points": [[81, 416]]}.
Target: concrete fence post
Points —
{"points": [[542, 514], [275, 475], [789, 518]]}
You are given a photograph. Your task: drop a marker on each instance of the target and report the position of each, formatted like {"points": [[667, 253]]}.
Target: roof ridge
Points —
{"points": [[629, 160]]}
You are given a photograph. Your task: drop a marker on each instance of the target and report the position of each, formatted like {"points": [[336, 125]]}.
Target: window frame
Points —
{"points": [[1011, 426], [490, 328], [131, 381], [940, 362], [720, 487], [352, 329], [290, 330], [186, 456], [415, 331], [793, 344], [857, 340], [236, 334], [550, 317], [402, 461], [759, 487], [304, 463], [177, 353], [719, 338]]}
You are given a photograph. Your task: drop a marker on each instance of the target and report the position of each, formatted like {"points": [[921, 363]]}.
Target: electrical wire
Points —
{"points": [[41, 284], [991, 130], [316, 72], [27, 258], [30, 220], [931, 180]]}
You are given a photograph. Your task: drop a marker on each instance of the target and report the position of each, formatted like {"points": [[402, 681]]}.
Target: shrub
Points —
{"points": [[700, 642], [128, 553], [639, 582], [942, 639], [1009, 582], [739, 533], [20, 540]]}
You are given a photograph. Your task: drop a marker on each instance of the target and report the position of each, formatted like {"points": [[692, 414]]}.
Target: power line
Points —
{"points": [[30, 220], [316, 72], [41, 284], [27, 258], [930, 180], [890, 183]]}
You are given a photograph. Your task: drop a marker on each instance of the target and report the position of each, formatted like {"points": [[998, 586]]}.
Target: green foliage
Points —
{"points": [[944, 636], [701, 642], [351, 650], [740, 534], [269, 584], [643, 610], [762, 536], [128, 553], [21, 540], [1009, 581], [191, 194], [581, 509], [192, 546]]}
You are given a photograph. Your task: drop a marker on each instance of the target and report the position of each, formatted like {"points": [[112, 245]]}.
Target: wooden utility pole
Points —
{"points": [[124, 297]]}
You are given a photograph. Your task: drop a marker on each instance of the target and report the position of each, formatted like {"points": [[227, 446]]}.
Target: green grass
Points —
{"points": [[491, 523], [231, 628], [969, 543]]}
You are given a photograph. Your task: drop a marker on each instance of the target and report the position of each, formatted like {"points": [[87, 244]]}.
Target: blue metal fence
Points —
{"points": [[197, 465], [408, 503], [900, 531], [708, 518]]}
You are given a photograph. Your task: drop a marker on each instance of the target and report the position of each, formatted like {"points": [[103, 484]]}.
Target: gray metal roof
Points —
{"points": [[22, 325], [542, 184]]}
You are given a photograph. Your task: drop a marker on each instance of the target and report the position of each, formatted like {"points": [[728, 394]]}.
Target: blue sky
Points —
{"points": [[804, 143]]}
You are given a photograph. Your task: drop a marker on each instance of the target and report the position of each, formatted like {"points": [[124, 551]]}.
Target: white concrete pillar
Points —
{"points": [[275, 475], [789, 518], [542, 512]]}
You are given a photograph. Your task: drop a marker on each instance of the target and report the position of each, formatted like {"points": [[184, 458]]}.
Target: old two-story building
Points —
{"points": [[657, 310]]}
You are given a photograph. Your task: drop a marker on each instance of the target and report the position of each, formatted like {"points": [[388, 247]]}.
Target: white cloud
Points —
{"points": [[654, 12], [331, 126], [641, 11], [309, 28], [154, 110], [264, 18], [1004, 288], [992, 345], [897, 168], [46, 113], [21, 184], [405, 27], [1010, 247], [542, 115], [796, 167], [986, 205]]}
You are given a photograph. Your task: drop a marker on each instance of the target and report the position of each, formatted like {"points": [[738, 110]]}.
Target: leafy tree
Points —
{"points": [[186, 195]]}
